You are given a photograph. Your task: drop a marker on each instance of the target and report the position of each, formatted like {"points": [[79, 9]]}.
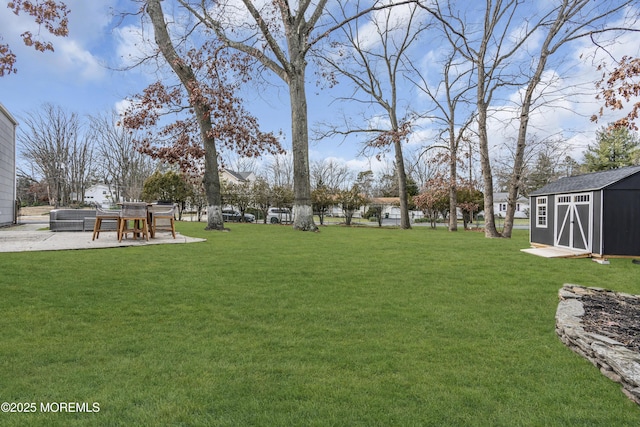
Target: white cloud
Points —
{"points": [[88, 20], [72, 57], [392, 21], [363, 164], [566, 97], [122, 106]]}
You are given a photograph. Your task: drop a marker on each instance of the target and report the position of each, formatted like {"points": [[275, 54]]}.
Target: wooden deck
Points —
{"points": [[555, 252]]}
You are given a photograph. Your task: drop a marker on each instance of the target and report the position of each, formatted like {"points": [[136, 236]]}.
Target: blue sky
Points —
{"points": [[81, 77]]}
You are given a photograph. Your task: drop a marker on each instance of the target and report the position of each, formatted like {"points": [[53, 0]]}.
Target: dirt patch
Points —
{"points": [[35, 210]]}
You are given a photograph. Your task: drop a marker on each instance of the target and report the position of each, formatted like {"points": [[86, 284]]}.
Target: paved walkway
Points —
{"points": [[30, 236]]}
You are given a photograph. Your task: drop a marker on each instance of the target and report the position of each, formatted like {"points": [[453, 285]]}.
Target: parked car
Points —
{"points": [[230, 215], [279, 215]]}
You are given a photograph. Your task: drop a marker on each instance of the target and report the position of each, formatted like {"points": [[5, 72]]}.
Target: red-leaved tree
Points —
{"points": [[187, 123], [50, 14], [433, 200], [619, 89]]}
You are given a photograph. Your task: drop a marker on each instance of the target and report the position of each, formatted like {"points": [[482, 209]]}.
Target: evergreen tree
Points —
{"points": [[543, 172], [614, 148]]}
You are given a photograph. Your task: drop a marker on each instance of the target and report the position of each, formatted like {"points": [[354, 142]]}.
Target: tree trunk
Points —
{"points": [[453, 178], [302, 208], [211, 180], [516, 174], [347, 218], [405, 223], [203, 115], [518, 163], [487, 177]]}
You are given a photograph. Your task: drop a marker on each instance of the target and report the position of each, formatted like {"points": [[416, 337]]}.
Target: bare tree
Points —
{"points": [[498, 46], [568, 21], [51, 139], [204, 105], [489, 52], [450, 100], [279, 171], [373, 56], [419, 167], [542, 162], [280, 37], [242, 164], [330, 174], [81, 167], [119, 164]]}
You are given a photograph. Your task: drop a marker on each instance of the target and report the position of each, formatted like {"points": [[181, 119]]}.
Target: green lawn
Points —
{"points": [[267, 326]]}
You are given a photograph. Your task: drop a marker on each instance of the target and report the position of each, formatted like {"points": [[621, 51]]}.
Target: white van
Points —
{"points": [[279, 216]]}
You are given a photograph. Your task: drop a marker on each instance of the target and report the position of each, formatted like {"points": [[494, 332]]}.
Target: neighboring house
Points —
{"points": [[99, 194], [337, 212], [8, 125], [500, 206], [391, 208], [237, 178], [597, 213], [233, 177]]}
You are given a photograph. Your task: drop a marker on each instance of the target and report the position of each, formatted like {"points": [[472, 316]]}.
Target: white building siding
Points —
{"points": [[99, 194], [500, 206], [7, 167]]}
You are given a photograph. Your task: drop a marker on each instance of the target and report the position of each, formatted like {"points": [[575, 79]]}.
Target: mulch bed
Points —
{"points": [[614, 316]]}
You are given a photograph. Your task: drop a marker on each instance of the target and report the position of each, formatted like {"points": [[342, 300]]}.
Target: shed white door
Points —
{"points": [[573, 221]]}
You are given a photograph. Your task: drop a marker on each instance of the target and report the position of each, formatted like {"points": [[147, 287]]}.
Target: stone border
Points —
{"points": [[614, 360]]}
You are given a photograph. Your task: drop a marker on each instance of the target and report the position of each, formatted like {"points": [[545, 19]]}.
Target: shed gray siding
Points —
{"points": [[546, 236], [621, 217], [7, 167], [596, 248], [542, 235]]}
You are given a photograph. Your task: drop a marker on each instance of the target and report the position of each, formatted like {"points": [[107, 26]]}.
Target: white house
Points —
{"points": [[390, 209], [233, 177], [500, 206], [99, 194], [8, 195], [390, 206]]}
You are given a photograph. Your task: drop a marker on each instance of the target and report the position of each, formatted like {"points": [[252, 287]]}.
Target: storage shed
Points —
{"points": [[597, 213]]}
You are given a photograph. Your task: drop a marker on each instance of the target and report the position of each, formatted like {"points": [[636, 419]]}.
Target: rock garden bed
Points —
{"points": [[604, 327]]}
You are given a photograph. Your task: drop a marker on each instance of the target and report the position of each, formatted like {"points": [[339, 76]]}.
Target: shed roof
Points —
{"points": [[587, 182]]}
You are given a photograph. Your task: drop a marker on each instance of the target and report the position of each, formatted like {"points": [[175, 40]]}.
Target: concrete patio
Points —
{"points": [[31, 235]]}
